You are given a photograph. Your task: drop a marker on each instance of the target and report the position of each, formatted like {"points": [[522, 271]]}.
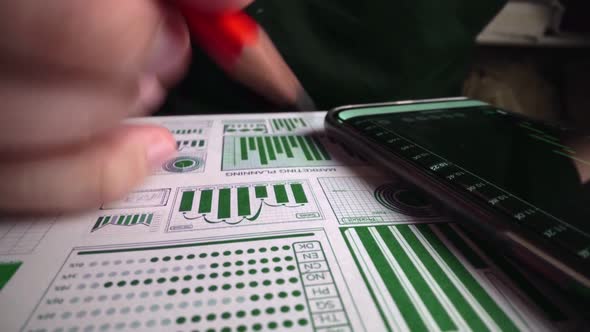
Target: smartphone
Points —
{"points": [[523, 184]]}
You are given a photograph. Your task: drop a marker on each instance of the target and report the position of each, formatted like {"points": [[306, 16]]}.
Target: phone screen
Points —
{"points": [[537, 175]]}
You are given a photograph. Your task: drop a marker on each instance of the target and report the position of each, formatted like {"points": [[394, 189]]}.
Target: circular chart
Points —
{"points": [[404, 200], [182, 164]]}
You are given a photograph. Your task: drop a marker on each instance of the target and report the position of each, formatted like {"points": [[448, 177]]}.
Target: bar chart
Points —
{"points": [[188, 127], [429, 277], [189, 131], [242, 204], [245, 127], [289, 125], [182, 145], [248, 152], [118, 223]]}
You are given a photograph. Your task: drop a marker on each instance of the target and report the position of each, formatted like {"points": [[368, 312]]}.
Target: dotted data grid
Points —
{"points": [[272, 285], [22, 236], [354, 198]]}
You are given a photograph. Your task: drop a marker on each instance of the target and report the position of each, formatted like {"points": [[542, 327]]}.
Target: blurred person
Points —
{"points": [[71, 70]]}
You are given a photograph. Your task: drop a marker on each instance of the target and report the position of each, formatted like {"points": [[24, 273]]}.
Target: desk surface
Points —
{"points": [[263, 223]]}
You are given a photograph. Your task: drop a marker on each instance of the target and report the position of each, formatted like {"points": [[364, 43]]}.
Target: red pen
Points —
{"points": [[245, 52]]}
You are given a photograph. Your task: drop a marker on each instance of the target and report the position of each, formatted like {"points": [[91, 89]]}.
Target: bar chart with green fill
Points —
{"points": [[289, 125], [287, 281], [377, 200], [182, 145], [242, 204], [248, 152], [188, 131], [430, 277], [188, 127], [245, 127], [147, 221]]}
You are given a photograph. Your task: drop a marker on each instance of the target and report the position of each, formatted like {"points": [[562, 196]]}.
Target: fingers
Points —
{"points": [[107, 36], [83, 177], [71, 69]]}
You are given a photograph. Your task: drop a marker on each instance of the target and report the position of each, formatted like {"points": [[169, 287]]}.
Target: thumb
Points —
{"points": [[103, 169]]}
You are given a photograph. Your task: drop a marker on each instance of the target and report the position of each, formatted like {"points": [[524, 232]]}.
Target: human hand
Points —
{"points": [[70, 71]]}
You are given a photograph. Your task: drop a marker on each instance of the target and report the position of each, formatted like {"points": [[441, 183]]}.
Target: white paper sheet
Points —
{"points": [[263, 223]]}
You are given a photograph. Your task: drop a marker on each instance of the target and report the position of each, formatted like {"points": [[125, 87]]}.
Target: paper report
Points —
{"points": [[263, 223]]}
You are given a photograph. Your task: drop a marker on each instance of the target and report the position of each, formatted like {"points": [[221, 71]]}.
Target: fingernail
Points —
{"points": [[160, 150], [170, 48]]}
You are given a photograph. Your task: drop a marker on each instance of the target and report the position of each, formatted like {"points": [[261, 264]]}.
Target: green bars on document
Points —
{"points": [[272, 148], [190, 144], [288, 124], [421, 284], [124, 220], [241, 200], [187, 131]]}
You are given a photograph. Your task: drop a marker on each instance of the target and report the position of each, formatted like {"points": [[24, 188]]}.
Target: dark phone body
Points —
{"points": [[534, 249]]}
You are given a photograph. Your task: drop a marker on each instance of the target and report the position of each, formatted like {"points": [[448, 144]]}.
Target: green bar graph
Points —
{"points": [[469, 281], [243, 201], [298, 193], [323, 151], [205, 201], [122, 220], [304, 148], [277, 143], [106, 220], [288, 151], [271, 151], [281, 194], [261, 192], [186, 202], [252, 143], [424, 291], [313, 149], [98, 223], [224, 204], [429, 285], [248, 152], [261, 151], [244, 148], [392, 282], [289, 127]]}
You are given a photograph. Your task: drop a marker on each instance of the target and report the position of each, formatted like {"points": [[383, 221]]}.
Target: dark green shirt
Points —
{"points": [[350, 52]]}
